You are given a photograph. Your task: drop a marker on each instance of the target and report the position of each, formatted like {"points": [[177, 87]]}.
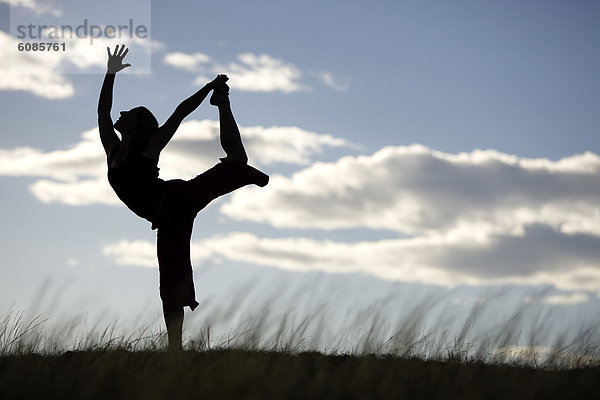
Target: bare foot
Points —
{"points": [[220, 91]]}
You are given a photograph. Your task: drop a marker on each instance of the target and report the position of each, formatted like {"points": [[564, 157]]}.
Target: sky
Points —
{"points": [[415, 148]]}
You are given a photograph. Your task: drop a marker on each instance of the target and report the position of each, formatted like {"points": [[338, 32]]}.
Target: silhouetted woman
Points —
{"points": [[170, 206]]}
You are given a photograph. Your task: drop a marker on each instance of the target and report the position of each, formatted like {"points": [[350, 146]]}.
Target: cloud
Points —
{"points": [[127, 252], [77, 175], [432, 260], [37, 7], [188, 62], [263, 73], [44, 73], [74, 176], [336, 83], [567, 299], [419, 191], [195, 146], [482, 217], [252, 72], [79, 193], [35, 72], [475, 218], [80, 160]]}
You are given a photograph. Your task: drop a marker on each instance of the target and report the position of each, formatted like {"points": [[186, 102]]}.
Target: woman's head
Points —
{"points": [[137, 125]]}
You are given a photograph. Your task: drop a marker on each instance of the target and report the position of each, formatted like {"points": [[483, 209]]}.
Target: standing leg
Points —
{"points": [[174, 263], [175, 276], [174, 322]]}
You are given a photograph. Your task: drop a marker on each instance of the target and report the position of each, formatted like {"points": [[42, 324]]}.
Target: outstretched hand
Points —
{"points": [[115, 60]]}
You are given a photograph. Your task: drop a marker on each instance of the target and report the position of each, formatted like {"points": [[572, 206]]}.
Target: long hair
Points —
{"points": [[145, 126]]}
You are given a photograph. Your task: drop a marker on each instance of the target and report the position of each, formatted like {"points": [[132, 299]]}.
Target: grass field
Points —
{"points": [[298, 356], [240, 374]]}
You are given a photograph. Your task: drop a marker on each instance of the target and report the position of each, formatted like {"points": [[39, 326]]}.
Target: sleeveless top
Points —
{"points": [[135, 181]]}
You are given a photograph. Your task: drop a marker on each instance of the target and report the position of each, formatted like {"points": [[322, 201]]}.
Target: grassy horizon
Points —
{"points": [[291, 354], [253, 374], [525, 336]]}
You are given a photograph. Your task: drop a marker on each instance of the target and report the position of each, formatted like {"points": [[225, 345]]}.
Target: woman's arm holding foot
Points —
{"points": [[185, 108]]}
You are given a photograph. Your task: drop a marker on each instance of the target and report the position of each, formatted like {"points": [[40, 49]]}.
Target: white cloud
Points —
{"points": [[432, 260], [36, 72], [416, 190], [425, 260], [44, 73], [186, 61], [264, 73], [37, 7], [79, 193], [567, 299], [288, 144], [252, 72], [84, 159], [472, 218], [137, 252], [336, 83], [196, 147], [77, 175]]}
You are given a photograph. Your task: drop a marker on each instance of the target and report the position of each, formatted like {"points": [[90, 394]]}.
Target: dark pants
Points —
{"points": [[182, 202]]}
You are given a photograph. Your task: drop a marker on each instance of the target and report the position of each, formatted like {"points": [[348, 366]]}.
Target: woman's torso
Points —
{"points": [[134, 178]]}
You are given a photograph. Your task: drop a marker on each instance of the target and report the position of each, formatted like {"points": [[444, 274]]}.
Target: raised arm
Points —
{"points": [[185, 108], [108, 137]]}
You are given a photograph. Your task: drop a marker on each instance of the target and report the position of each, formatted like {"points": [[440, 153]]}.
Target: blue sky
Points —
{"points": [[414, 147]]}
